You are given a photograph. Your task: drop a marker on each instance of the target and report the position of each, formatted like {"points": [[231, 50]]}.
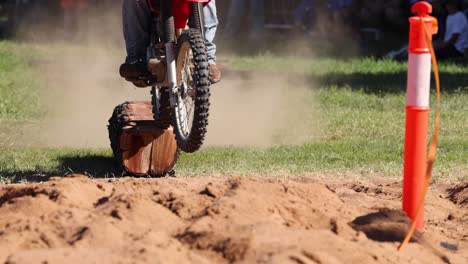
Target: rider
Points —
{"points": [[136, 27]]}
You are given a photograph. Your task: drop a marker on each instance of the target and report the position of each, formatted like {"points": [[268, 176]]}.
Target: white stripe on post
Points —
{"points": [[419, 79]]}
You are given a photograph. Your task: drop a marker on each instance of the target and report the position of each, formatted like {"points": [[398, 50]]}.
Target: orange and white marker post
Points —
{"points": [[417, 109]]}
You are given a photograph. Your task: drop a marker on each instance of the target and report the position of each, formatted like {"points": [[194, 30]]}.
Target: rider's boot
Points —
{"points": [[134, 69], [136, 72], [215, 74]]}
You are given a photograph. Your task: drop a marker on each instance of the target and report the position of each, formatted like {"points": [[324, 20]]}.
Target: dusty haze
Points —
{"points": [[83, 86]]}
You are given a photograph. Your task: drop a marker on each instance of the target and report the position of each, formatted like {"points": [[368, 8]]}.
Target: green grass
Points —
{"points": [[19, 91], [361, 104]]}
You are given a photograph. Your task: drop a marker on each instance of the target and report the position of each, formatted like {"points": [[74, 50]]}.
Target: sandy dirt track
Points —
{"points": [[217, 220]]}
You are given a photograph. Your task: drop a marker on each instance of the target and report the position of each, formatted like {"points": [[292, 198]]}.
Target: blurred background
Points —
{"points": [[368, 27]]}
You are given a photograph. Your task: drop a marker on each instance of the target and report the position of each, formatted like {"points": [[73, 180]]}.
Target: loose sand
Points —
{"points": [[75, 219]]}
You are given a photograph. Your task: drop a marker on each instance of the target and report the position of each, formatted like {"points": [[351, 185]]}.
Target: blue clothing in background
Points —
{"points": [[304, 13], [335, 5]]}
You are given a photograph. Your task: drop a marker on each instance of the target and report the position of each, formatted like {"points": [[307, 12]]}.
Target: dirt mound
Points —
{"points": [[211, 220]]}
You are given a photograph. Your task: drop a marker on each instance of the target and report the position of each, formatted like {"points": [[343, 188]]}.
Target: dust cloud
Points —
{"points": [[262, 110], [82, 82], [83, 87]]}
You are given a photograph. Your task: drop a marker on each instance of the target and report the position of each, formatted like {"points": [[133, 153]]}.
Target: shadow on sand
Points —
{"points": [[95, 166]]}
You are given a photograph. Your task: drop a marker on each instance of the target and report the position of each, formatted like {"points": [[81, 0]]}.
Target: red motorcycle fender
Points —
{"points": [[181, 11]]}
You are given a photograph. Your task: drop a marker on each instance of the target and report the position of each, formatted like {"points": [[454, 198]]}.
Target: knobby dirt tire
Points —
{"points": [[201, 83], [116, 123]]}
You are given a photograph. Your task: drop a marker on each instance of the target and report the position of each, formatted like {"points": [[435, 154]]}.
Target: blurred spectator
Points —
{"points": [[464, 6], [74, 12], [370, 12], [455, 40], [304, 15], [383, 13], [72, 4], [330, 14], [338, 4], [331, 18], [396, 14], [342, 15], [238, 9]]}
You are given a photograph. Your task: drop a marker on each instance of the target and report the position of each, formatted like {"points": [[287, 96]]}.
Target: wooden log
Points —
{"points": [[139, 145], [160, 159]]}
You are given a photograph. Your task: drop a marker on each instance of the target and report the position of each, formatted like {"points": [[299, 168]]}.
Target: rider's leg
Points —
{"points": [[211, 24], [136, 17]]}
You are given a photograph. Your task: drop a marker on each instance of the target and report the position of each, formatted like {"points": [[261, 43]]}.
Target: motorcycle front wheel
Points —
{"points": [[193, 98]]}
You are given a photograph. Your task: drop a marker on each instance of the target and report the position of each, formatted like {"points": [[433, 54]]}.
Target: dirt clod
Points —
{"points": [[459, 194], [385, 226]]}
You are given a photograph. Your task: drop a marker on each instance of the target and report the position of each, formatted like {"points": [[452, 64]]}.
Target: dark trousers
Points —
{"points": [[136, 16]]}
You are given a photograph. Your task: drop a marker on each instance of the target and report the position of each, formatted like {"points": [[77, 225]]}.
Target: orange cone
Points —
{"points": [[417, 109]]}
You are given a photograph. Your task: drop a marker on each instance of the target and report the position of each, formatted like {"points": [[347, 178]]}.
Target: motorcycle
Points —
{"points": [[178, 61]]}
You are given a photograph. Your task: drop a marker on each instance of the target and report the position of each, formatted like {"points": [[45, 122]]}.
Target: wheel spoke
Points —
{"points": [[185, 108]]}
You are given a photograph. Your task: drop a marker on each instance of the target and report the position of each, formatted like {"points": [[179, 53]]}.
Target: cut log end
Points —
{"points": [[138, 144]]}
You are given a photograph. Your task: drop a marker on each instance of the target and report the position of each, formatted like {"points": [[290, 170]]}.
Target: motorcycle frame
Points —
{"points": [[172, 25]]}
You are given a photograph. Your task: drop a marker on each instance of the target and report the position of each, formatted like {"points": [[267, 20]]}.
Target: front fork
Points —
{"points": [[169, 38], [172, 72]]}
